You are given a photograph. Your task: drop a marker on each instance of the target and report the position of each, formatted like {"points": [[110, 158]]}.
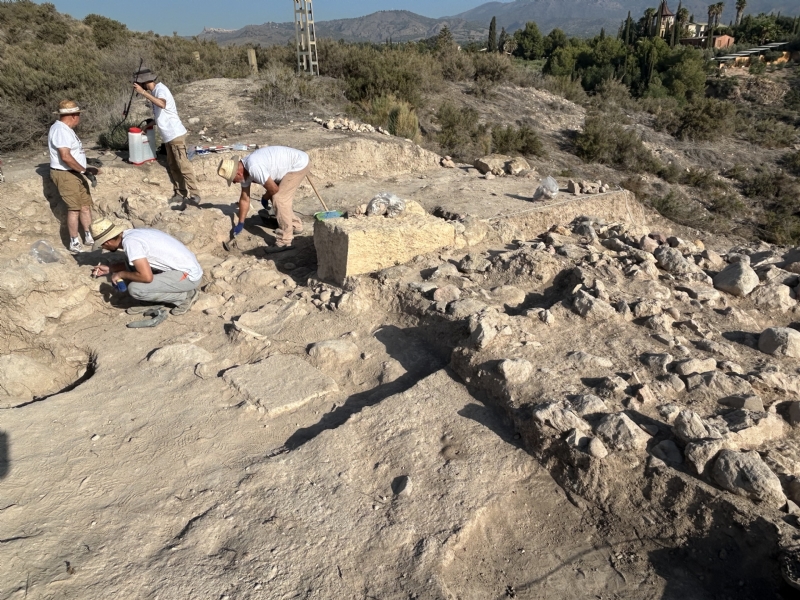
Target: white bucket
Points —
{"points": [[140, 147]]}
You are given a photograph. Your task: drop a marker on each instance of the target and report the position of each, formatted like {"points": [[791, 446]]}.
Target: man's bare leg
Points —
{"points": [[72, 222], [85, 218]]}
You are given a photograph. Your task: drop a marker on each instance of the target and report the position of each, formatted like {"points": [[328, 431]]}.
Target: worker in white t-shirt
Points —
{"points": [[280, 170], [159, 268], [67, 167], [173, 134]]}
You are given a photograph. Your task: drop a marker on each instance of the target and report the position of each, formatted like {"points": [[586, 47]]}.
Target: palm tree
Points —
{"points": [[718, 7], [712, 10], [740, 6], [682, 17]]}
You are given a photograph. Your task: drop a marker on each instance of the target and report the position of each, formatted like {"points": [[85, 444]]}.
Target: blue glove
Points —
{"points": [[238, 229], [264, 203]]}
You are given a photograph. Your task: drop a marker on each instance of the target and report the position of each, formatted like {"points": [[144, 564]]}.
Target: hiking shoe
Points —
{"points": [[75, 246], [140, 309], [276, 248], [176, 198], [88, 240], [193, 200], [184, 306]]}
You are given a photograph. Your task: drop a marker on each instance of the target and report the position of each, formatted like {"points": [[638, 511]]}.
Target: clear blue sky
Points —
{"points": [[188, 17]]}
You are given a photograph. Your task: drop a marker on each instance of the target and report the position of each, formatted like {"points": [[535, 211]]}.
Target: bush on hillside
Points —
{"points": [[512, 140], [791, 161], [700, 120], [608, 143], [106, 32], [460, 133]]}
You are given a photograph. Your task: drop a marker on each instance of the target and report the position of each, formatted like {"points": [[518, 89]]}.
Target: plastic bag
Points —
{"points": [[547, 190], [385, 203], [44, 252]]}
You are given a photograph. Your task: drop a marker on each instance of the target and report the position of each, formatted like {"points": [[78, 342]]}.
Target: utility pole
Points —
{"points": [[305, 37]]}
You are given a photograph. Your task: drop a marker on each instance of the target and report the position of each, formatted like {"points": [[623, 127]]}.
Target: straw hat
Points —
{"points": [[145, 76], [228, 168], [68, 107], [103, 230]]}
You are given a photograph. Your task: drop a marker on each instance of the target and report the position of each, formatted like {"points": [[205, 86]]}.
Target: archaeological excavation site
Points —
{"points": [[493, 393]]}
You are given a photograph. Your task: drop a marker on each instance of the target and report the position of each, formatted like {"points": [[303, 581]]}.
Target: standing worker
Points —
{"points": [[160, 268], [67, 169], [280, 170], [173, 133]]}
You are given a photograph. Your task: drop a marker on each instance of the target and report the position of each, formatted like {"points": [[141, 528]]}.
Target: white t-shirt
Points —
{"points": [[162, 251], [169, 124], [273, 161], [62, 136]]}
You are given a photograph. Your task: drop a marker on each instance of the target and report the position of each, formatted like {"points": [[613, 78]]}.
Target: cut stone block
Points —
{"points": [[347, 247], [280, 383]]}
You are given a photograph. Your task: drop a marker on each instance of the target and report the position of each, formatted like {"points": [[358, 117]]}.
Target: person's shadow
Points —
{"points": [[57, 206], [407, 349]]}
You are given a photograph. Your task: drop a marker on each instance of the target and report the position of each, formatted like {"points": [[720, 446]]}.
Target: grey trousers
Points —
{"points": [[170, 287]]}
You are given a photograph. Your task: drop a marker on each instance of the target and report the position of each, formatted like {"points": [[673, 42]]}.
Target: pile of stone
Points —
{"points": [[500, 165], [700, 401], [345, 124], [587, 187]]}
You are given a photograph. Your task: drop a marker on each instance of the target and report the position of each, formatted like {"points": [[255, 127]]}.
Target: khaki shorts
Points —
{"points": [[73, 188]]}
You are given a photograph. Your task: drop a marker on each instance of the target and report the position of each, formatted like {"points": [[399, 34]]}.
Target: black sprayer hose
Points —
{"points": [[128, 107]]}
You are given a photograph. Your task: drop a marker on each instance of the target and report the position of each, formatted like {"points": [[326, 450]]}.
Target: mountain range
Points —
{"points": [[575, 17]]}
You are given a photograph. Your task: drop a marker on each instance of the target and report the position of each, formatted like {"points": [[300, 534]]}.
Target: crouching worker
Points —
{"points": [[280, 170], [160, 269]]}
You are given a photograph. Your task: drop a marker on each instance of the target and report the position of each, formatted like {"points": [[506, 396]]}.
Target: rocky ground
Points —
{"points": [[583, 401]]}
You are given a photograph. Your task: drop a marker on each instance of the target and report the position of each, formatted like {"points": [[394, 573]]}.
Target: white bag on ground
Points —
{"points": [[547, 190], [385, 203]]}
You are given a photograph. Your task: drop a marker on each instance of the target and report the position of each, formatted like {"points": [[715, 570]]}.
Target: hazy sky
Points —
{"points": [[188, 17]]}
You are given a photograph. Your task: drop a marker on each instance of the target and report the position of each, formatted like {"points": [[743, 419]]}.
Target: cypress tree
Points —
{"points": [[492, 46]]}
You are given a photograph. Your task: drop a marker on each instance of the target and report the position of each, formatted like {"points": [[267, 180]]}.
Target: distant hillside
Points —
{"points": [[397, 25], [575, 17]]}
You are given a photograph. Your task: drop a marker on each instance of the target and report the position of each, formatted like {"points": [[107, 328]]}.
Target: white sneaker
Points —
{"points": [[75, 246], [88, 239]]}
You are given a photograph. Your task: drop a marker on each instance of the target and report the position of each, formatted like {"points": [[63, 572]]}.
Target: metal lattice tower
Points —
{"points": [[306, 37]]}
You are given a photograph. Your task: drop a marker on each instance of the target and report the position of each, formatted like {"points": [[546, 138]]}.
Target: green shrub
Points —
{"points": [[460, 134], [511, 140], [702, 179], [791, 161], [723, 88], [283, 88], [676, 206], [670, 172], [608, 143], [700, 120], [566, 87], [728, 205], [765, 132], [775, 186], [456, 65], [792, 99], [106, 32], [757, 67], [403, 122], [782, 229], [490, 70]]}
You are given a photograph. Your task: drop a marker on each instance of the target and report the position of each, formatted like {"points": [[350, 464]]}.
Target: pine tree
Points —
{"points": [[492, 46]]}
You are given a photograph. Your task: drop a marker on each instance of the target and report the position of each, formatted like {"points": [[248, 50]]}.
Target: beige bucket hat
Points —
{"points": [[228, 168], [103, 230], [68, 107]]}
